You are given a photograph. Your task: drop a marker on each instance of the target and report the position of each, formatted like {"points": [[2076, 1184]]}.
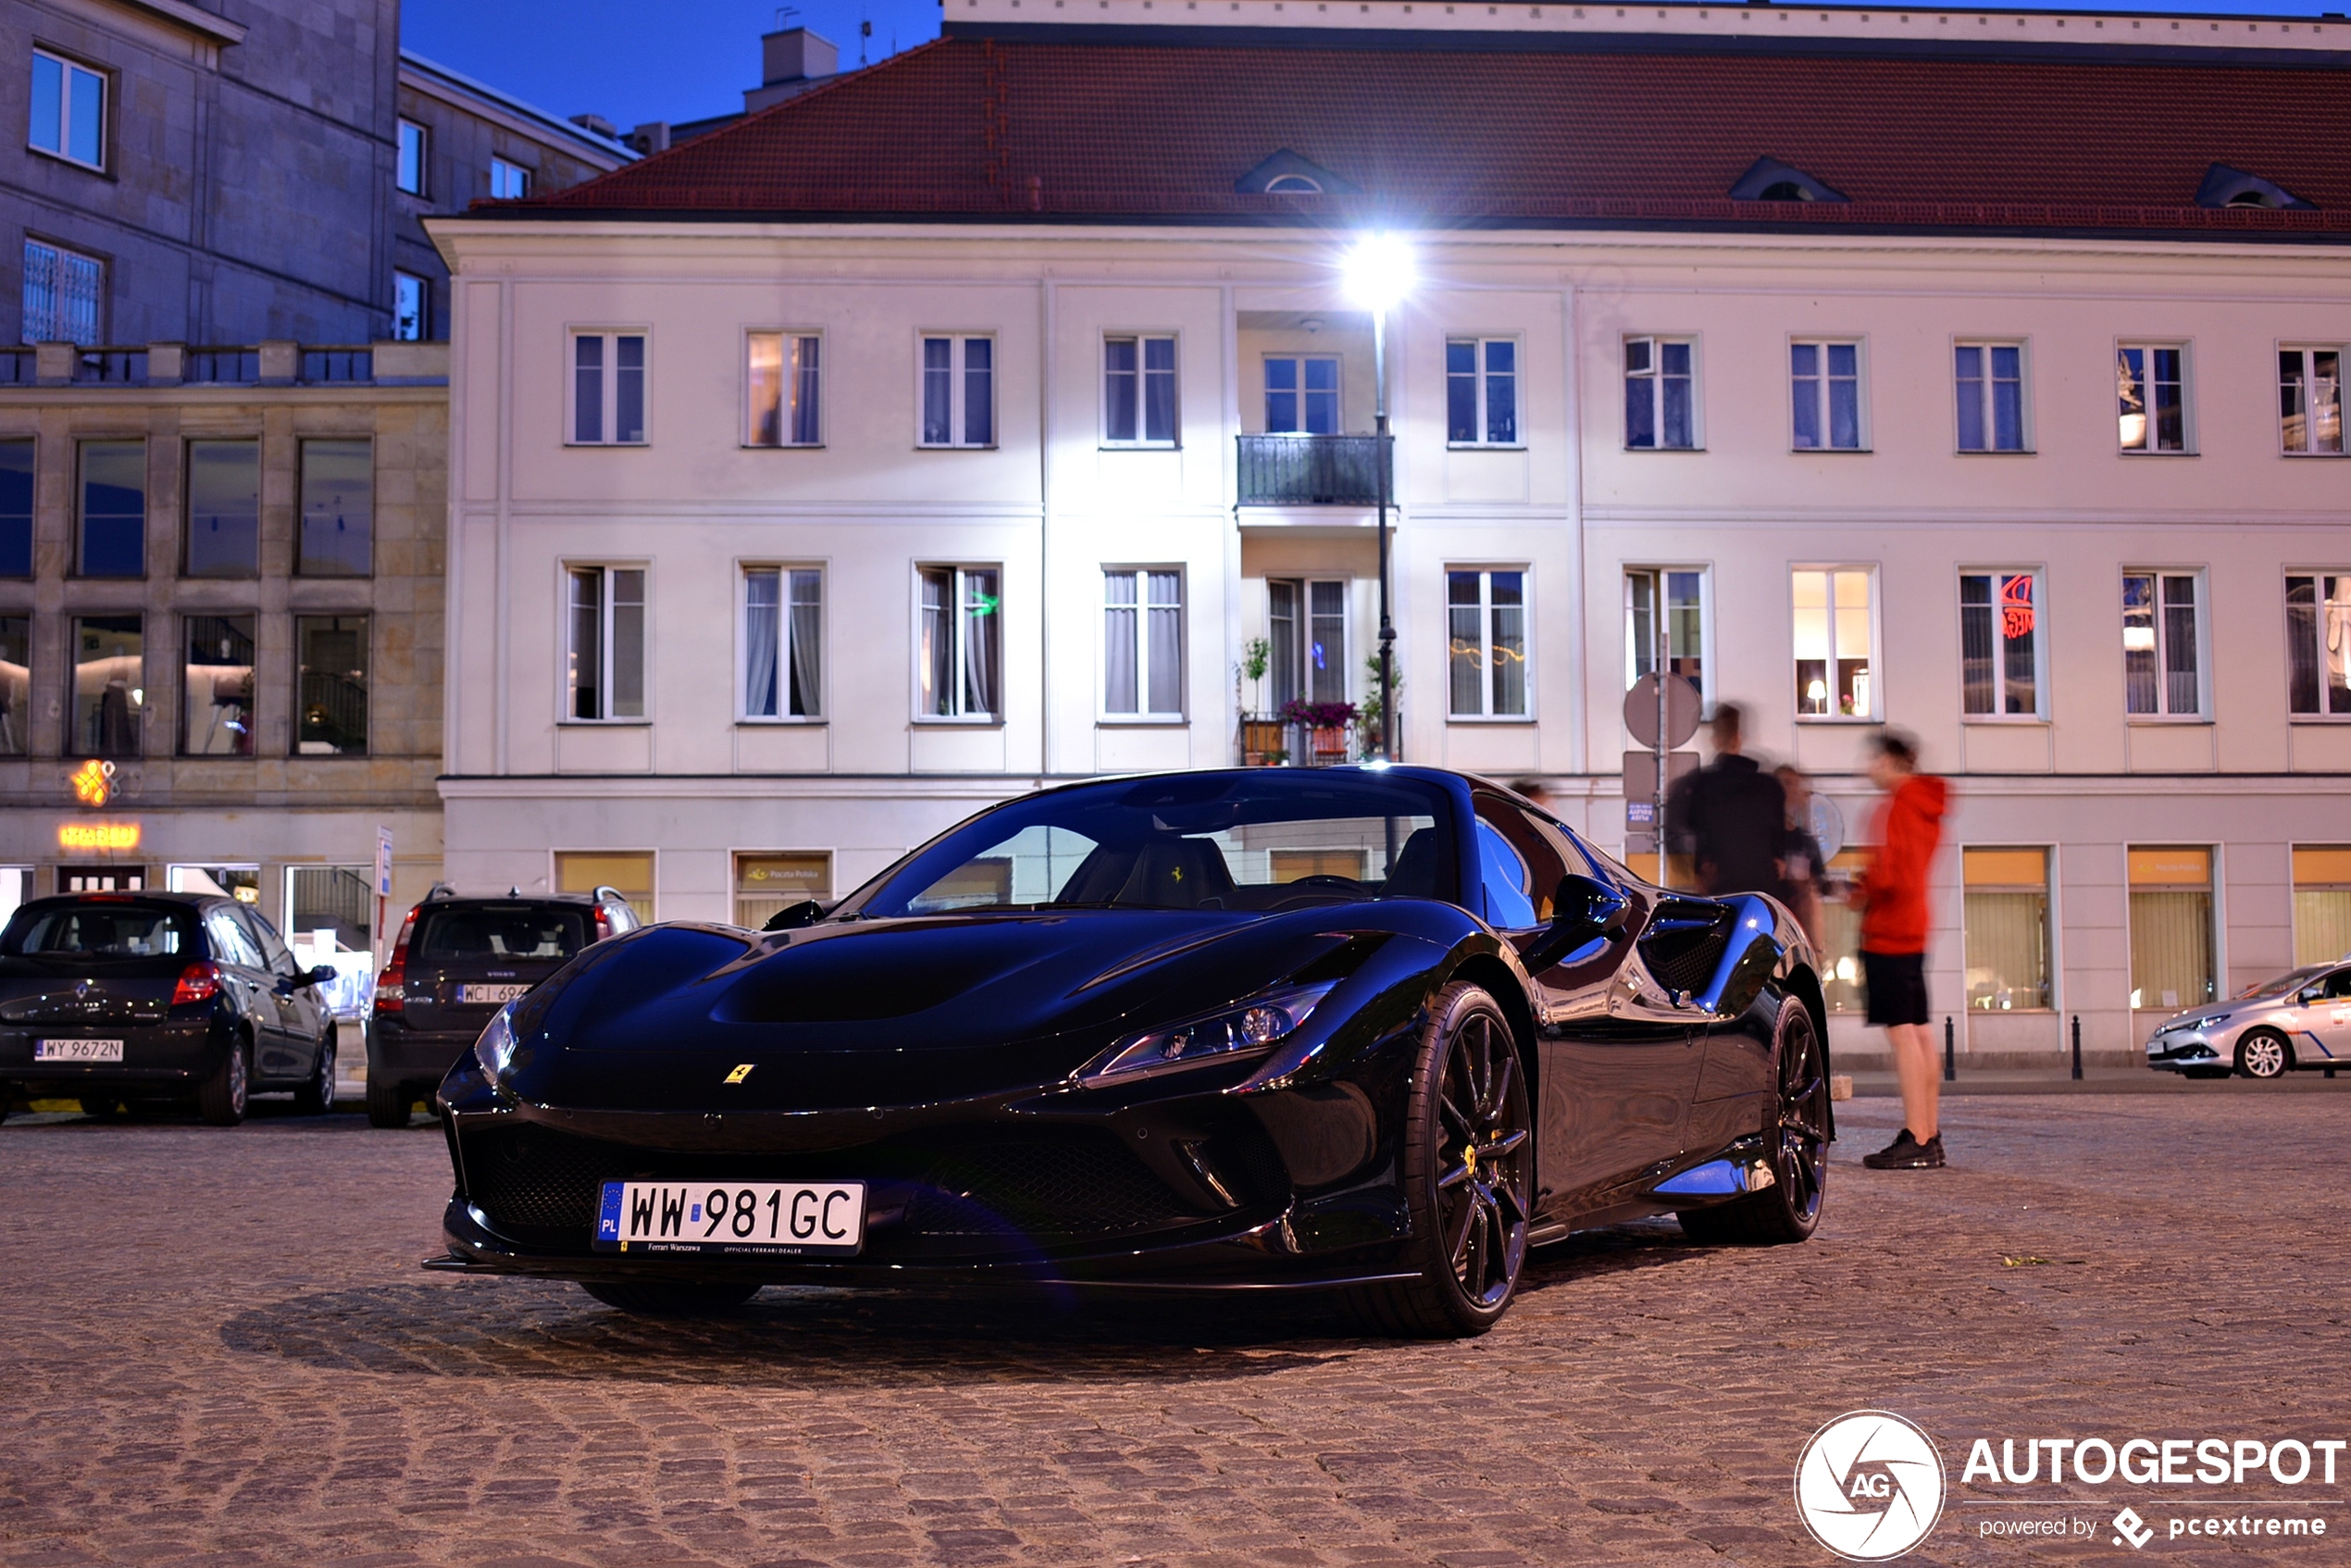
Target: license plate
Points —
{"points": [[756, 1218], [498, 994], [77, 1050]]}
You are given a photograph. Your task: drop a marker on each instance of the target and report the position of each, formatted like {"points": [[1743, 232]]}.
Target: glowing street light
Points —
{"points": [[1380, 273]]}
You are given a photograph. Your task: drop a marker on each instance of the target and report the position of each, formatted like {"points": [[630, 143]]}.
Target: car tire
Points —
{"points": [[317, 1096], [1469, 1213], [2264, 1053], [221, 1101], [673, 1301], [102, 1107], [1797, 1141], [390, 1102], [2205, 1073]]}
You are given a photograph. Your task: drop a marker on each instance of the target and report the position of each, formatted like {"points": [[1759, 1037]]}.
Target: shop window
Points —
{"points": [[1841, 932], [110, 685], [628, 873], [2171, 928], [766, 882], [224, 508], [331, 698], [16, 683], [240, 882], [331, 904], [338, 508], [114, 509], [2321, 903], [2007, 917], [16, 508], [216, 699]]}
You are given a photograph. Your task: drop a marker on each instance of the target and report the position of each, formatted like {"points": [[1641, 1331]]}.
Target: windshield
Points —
{"points": [[2293, 979], [517, 931], [101, 930], [1240, 842]]}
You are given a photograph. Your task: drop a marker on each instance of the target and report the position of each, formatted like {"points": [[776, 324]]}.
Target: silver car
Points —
{"points": [[2300, 1019]]}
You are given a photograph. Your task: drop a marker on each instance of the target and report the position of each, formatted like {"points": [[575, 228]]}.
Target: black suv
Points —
{"points": [[457, 961], [108, 998]]}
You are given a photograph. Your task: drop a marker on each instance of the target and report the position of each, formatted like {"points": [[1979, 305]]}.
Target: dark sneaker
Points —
{"points": [[1906, 1153]]}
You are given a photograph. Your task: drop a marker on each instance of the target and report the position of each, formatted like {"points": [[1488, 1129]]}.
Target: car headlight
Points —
{"points": [[495, 1048], [1254, 1025]]}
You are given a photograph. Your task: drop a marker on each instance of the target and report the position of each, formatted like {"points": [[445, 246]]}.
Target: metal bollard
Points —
{"points": [[2077, 1048], [1950, 1053]]}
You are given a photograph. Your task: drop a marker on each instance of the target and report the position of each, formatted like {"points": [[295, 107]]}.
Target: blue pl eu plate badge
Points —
{"points": [[608, 1217]]}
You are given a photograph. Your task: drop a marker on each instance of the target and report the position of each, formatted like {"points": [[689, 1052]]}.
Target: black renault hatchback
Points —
{"points": [[456, 962], [138, 998]]}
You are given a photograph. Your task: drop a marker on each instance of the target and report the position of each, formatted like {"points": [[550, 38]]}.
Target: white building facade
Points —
{"points": [[784, 534]]}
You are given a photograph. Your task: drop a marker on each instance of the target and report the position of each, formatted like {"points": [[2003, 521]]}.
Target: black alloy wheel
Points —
{"points": [[2264, 1053], [1796, 1142], [317, 1097], [672, 1301], [221, 1101], [1468, 1167]]}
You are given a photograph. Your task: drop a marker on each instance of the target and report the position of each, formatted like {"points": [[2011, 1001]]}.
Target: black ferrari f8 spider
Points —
{"points": [[1369, 1030]]}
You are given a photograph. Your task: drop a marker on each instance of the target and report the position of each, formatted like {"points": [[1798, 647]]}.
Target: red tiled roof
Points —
{"points": [[1158, 132]]}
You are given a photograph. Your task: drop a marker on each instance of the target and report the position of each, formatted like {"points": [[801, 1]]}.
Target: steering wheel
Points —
{"points": [[1326, 881]]}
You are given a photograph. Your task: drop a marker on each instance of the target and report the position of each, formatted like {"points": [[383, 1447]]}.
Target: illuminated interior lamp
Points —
{"points": [[2138, 638]]}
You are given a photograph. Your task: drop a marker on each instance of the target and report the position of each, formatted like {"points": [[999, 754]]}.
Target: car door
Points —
{"points": [[246, 975], [1618, 1065], [302, 1010], [2328, 1018]]}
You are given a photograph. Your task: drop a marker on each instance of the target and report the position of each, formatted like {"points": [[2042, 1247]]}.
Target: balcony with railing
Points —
{"points": [[1302, 470], [242, 365], [1323, 735]]}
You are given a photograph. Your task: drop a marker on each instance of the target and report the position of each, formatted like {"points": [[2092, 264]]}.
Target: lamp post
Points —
{"points": [[1379, 274]]}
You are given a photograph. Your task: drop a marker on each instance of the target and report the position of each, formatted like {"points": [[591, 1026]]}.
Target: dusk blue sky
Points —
{"points": [[632, 62]]}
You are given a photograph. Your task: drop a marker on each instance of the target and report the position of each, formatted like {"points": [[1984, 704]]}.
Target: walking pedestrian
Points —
{"points": [[1803, 868], [1730, 815], [1892, 894]]}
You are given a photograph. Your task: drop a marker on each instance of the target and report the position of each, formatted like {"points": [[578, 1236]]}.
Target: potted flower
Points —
{"points": [[1325, 725]]}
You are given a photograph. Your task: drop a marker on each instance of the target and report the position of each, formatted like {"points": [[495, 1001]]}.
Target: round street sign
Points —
{"points": [[1682, 704], [1827, 826]]}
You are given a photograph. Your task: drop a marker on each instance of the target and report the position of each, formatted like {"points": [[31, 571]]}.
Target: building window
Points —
{"points": [[1486, 649], [1142, 643], [2162, 633], [411, 308], [1307, 618], [1480, 391], [1841, 985], [767, 883], [1138, 391], [2171, 928], [416, 143], [628, 873], [330, 686], [333, 902], [959, 391], [2151, 389], [338, 508], [604, 665], [2006, 920], [962, 642], [110, 685], [2310, 400], [2321, 903], [16, 683], [1680, 637], [1824, 391], [607, 389], [783, 642], [508, 182], [2000, 644], [65, 295], [215, 697], [68, 110], [1989, 379], [1835, 644], [1301, 395], [224, 508], [16, 508], [114, 509], [784, 389], [1661, 394], [2318, 624]]}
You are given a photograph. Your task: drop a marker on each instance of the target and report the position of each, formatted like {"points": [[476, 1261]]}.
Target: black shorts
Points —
{"points": [[1897, 986]]}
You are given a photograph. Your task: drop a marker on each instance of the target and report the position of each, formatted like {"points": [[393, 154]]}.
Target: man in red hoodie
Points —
{"points": [[1892, 895]]}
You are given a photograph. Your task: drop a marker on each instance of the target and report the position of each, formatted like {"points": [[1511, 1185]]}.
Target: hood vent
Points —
{"points": [[1768, 180]]}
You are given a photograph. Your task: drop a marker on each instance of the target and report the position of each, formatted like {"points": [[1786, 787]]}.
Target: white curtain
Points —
{"points": [[1120, 690], [1165, 605], [982, 617], [761, 610], [807, 628]]}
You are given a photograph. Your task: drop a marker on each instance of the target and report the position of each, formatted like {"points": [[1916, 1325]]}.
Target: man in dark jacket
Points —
{"points": [[1731, 815]]}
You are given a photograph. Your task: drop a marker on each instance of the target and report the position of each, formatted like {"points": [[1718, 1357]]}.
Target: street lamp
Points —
{"points": [[1379, 273]]}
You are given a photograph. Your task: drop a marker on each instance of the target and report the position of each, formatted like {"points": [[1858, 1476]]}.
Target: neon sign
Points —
{"points": [[2016, 607], [99, 835], [93, 782]]}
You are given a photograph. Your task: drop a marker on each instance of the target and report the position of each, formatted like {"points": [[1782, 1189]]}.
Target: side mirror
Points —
{"points": [[792, 916], [324, 975], [1589, 908]]}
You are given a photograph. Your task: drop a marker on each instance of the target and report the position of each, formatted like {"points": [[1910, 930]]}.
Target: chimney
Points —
{"points": [[792, 61], [650, 137], [598, 124]]}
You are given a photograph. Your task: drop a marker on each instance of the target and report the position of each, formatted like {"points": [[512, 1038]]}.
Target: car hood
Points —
{"points": [[880, 1012]]}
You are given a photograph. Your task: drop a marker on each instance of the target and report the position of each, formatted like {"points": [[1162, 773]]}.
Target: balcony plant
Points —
{"points": [[1325, 725]]}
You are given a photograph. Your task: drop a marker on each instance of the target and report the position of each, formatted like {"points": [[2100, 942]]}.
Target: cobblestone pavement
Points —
{"points": [[218, 1347]]}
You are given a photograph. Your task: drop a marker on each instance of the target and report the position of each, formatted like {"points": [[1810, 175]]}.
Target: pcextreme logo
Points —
{"points": [[1869, 1485]]}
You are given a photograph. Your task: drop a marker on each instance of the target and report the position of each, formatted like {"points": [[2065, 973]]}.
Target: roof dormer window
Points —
{"points": [[1768, 180], [1293, 185], [2226, 187], [1288, 174]]}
